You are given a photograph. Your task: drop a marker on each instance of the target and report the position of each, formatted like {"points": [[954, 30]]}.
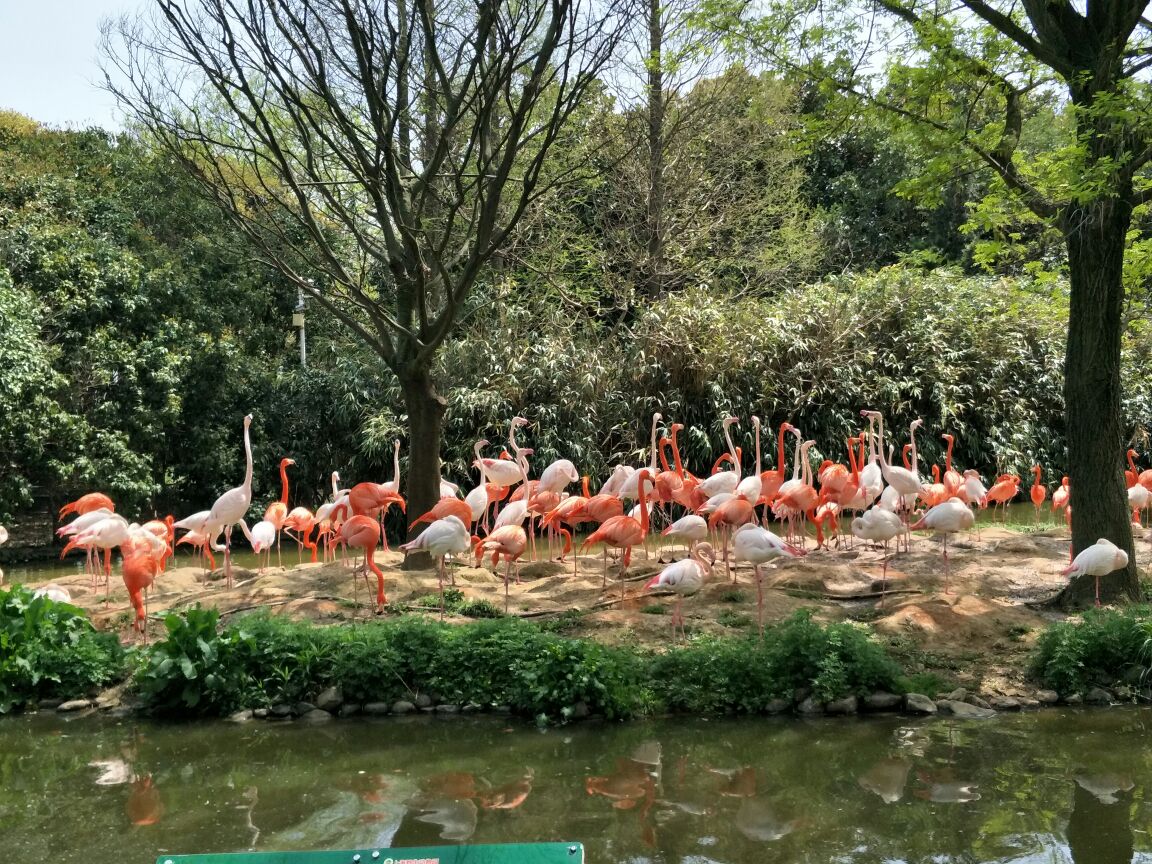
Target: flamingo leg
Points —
{"points": [[440, 573], [947, 566], [759, 599], [1097, 591], [507, 579], [228, 556]]}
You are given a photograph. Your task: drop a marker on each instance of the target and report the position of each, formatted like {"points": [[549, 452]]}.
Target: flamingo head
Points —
{"points": [[949, 438], [676, 427], [285, 462], [729, 420], [247, 420], [916, 424]]}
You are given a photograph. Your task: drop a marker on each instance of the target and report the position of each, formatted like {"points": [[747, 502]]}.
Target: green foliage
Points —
{"points": [[1100, 649], [51, 649], [744, 674], [195, 669], [457, 604]]}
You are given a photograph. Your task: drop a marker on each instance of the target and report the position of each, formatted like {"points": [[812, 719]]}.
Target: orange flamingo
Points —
{"points": [[302, 521], [447, 507], [139, 567], [624, 532], [1132, 475], [953, 480], [1004, 490], [1061, 496], [277, 511], [935, 492], [731, 514], [509, 541], [374, 499], [87, 503], [363, 532], [1038, 493]]}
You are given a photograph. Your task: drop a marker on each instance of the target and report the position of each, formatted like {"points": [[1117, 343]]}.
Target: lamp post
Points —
{"points": [[298, 323]]}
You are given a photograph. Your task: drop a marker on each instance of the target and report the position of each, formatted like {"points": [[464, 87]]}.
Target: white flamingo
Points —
{"points": [[1099, 559], [684, 578], [233, 505], [758, 546], [724, 481], [447, 536], [749, 488], [947, 518]]}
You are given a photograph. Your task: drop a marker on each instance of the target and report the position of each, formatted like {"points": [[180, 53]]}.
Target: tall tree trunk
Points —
{"points": [[1095, 234], [425, 420]]}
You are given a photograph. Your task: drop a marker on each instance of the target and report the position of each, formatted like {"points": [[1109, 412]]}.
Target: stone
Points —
{"points": [[847, 705], [280, 711], [778, 706], [1047, 697], [316, 715], [973, 699], [1005, 703], [302, 708], [260, 713], [119, 712], [918, 703], [502, 709], [472, 708], [1027, 702], [423, 700], [105, 703], [73, 705], [957, 695], [881, 700], [1074, 699], [963, 710], [402, 706], [430, 709], [49, 704], [349, 709], [330, 699], [580, 710], [447, 709], [1098, 696], [378, 709], [810, 706], [244, 716]]}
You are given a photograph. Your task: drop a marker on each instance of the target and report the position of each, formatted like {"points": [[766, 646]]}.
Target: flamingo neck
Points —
{"points": [[780, 467], [396, 463], [284, 484], [915, 461], [643, 498], [587, 491], [247, 462], [663, 459], [732, 449], [757, 425], [676, 453], [948, 456], [652, 445]]}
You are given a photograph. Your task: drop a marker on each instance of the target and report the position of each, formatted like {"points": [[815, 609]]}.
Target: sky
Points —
{"points": [[48, 60]]}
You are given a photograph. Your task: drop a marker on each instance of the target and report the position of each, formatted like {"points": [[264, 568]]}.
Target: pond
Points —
{"points": [[1056, 785]]}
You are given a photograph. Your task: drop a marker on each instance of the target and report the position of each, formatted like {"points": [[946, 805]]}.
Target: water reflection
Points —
{"points": [[1100, 827], [674, 792]]}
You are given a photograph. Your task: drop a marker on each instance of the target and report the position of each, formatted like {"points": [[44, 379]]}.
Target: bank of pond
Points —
{"points": [[267, 666]]}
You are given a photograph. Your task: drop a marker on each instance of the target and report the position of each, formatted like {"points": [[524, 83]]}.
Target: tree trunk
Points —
{"points": [[656, 105], [422, 488], [1095, 233]]}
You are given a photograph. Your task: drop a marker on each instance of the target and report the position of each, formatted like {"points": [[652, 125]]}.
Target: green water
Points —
{"points": [[1051, 786]]}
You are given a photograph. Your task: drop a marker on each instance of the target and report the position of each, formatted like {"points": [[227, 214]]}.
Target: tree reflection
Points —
{"points": [[1100, 827]]}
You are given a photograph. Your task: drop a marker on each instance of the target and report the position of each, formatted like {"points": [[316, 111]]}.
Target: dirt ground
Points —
{"points": [[977, 635]]}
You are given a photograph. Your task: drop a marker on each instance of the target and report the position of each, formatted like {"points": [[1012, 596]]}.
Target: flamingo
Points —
{"points": [[624, 532], [86, 504], [751, 486], [1004, 490], [363, 532], [953, 480], [878, 525], [724, 481], [935, 492], [947, 518], [138, 567], [731, 514], [799, 498], [973, 491], [374, 499], [462, 510], [628, 490], [684, 578], [1132, 475], [232, 506], [302, 521], [277, 511], [261, 537], [1037, 493], [509, 541], [1061, 496], [871, 474], [80, 523], [106, 534], [200, 542], [447, 536], [758, 546], [165, 529], [692, 528], [1098, 560], [393, 485]]}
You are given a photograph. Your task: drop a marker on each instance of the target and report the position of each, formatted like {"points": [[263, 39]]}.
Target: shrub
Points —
{"points": [[1100, 649], [51, 649], [196, 669], [744, 674]]}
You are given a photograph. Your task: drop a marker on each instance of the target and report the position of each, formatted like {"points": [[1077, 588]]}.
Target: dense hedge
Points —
{"points": [[261, 661]]}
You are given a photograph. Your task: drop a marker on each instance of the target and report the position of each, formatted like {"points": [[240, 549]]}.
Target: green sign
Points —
{"points": [[498, 853]]}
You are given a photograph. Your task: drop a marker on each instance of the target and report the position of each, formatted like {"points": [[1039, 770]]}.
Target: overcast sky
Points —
{"points": [[48, 60]]}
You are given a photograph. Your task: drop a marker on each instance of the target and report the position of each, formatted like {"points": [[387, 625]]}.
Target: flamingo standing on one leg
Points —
{"points": [[692, 529], [758, 546], [878, 525], [1100, 559], [277, 511], [363, 532], [232, 506], [139, 567], [947, 518], [684, 578], [302, 521]]}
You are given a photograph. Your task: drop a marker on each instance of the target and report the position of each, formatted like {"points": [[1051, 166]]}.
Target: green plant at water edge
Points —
{"points": [[457, 604], [195, 669], [745, 674], [1102, 648], [51, 649]]}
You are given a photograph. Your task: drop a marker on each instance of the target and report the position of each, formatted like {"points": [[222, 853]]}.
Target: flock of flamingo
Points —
{"points": [[726, 509]]}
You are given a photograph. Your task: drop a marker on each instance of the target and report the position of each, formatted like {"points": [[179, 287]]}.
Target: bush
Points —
{"points": [[714, 675], [50, 649], [1102, 648], [196, 670]]}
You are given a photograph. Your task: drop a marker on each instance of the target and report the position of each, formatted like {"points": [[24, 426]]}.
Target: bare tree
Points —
{"points": [[377, 152]]}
